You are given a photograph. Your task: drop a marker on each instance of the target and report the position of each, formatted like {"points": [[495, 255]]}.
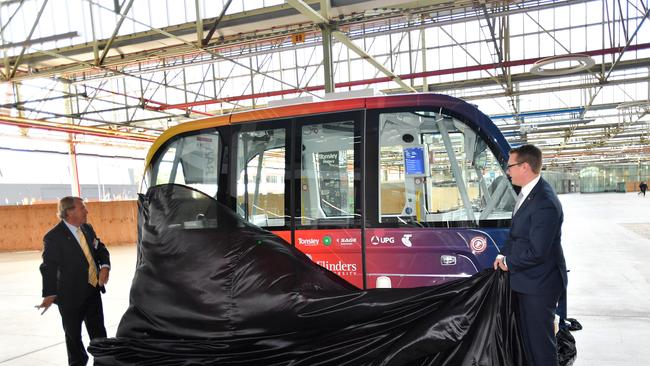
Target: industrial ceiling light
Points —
{"points": [[576, 62]]}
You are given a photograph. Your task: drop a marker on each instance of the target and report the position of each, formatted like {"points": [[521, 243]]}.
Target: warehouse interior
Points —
{"points": [[87, 86]]}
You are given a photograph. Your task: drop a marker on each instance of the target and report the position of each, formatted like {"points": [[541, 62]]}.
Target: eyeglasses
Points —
{"points": [[515, 164]]}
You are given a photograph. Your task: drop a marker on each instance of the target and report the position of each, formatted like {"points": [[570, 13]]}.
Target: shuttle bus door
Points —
{"points": [[327, 191]]}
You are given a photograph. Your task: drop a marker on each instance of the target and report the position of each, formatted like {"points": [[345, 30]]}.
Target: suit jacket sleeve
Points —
{"points": [[505, 250], [50, 266], [101, 252], [545, 223]]}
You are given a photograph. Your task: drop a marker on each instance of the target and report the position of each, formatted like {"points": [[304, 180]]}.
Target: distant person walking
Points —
{"points": [[643, 187], [75, 269]]}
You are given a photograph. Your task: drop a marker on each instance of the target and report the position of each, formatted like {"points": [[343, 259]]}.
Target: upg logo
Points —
{"points": [[376, 240]]}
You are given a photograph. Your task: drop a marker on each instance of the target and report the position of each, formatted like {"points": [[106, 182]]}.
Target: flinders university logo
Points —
{"points": [[340, 267]]}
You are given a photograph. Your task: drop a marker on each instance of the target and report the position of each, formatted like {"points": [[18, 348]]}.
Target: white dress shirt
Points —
{"points": [[525, 190], [74, 229]]}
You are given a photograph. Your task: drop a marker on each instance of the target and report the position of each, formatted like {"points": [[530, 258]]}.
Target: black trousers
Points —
{"points": [[536, 316], [91, 312]]}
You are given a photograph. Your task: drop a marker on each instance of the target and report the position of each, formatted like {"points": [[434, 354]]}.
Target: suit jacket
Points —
{"points": [[533, 251], [65, 268]]}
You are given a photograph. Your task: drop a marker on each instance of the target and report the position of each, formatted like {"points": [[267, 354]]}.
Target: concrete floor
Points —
{"points": [[606, 241]]}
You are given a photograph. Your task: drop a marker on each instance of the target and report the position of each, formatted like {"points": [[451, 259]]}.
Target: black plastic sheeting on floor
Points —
{"points": [[566, 347], [210, 289]]}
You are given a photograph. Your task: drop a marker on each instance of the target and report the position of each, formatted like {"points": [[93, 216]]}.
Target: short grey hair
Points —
{"points": [[65, 204]]}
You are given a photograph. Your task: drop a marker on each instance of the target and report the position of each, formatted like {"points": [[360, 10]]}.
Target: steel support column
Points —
{"points": [[199, 23], [328, 68], [75, 188], [423, 48]]}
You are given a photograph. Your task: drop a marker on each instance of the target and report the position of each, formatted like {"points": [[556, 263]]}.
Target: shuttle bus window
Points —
{"points": [[328, 226], [434, 168], [261, 176], [192, 160], [166, 167], [327, 173]]}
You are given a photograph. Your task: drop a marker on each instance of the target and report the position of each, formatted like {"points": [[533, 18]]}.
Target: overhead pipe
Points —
{"points": [[74, 129], [416, 75], [549, 112]]}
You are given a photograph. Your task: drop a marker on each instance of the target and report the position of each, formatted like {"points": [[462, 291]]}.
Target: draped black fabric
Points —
{"points": [[211, 289], [566, 347]]}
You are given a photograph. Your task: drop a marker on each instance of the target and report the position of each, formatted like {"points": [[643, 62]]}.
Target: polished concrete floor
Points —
{"points": [[606, 240]]}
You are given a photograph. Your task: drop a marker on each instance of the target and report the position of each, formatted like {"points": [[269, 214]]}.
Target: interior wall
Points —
{"points": [[23, 227]]}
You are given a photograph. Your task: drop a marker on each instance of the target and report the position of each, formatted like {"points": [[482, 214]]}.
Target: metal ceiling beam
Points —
{"points": [[29, 37], [327, 30], [606, 76], [620, 55], [379, 80], [551, 89], [325, 8], [249, 18], [207, 39], [196, 48], [68, 128], [497, 49], [175, 61], [7, 69], [14, 105], [496, 64], [20, 4], [363, 54], [438, 13], [92, 32], [108, 45], [55, 37], [307, 11], [123, 74], [583, 125]]}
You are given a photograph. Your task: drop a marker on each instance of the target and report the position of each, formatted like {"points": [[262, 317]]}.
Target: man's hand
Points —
{"points": [[103, 276], [500, 262], [47, 302]]}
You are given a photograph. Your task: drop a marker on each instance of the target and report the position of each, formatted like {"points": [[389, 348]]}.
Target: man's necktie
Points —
{"points": [[518, 203], [92, 269]]}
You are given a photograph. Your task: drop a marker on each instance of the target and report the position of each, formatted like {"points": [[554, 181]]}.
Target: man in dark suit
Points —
{"points": [[75, 269], [533, 254]]}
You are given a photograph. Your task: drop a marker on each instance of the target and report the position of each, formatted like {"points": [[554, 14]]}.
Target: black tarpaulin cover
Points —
{"points": [[211, 289]]}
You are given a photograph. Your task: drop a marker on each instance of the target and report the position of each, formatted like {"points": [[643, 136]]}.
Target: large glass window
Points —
{"points": [[191, 160], [261, 161], [434, 168], [327, 173], [328, 228]]}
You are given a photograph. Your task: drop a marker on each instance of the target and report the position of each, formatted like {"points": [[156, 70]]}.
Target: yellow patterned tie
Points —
{"points": [[92, 269]]}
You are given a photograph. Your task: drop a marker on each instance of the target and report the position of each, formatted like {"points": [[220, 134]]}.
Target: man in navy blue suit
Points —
{"points": [[533, 255]]}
